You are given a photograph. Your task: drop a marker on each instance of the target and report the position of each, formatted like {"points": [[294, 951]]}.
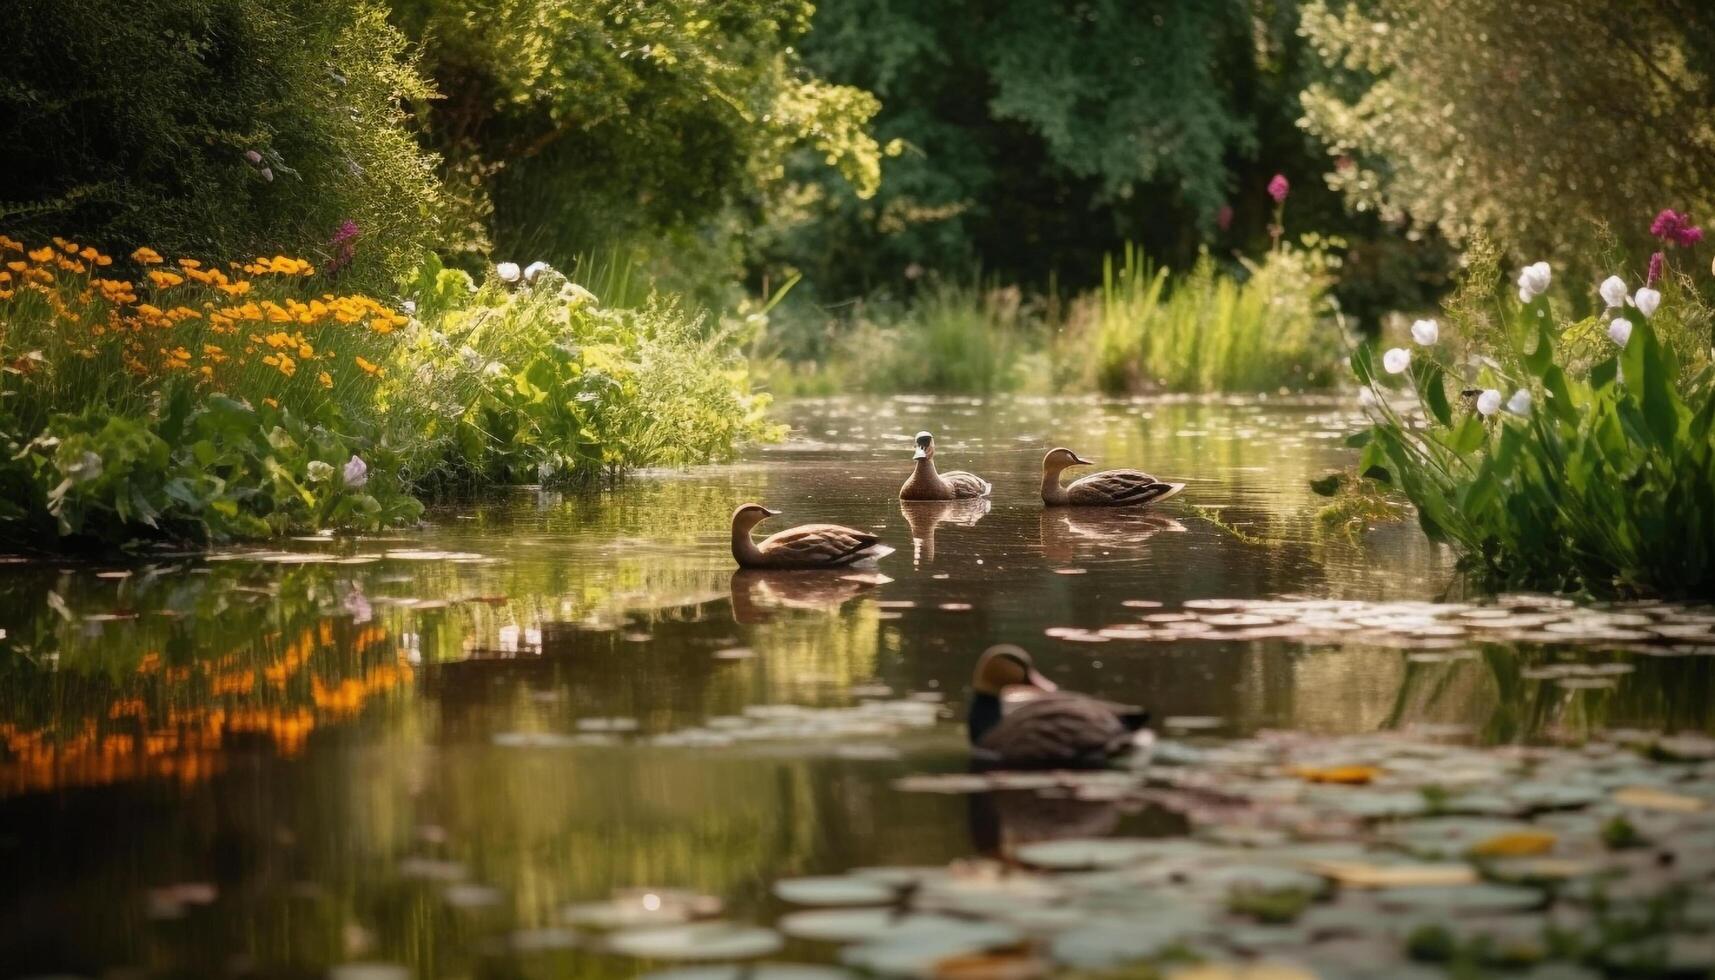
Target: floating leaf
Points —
{"points": [[1358, 874], [696, 941], [1650, 798], [1354, 775], [833, 890], [1519, 843]]}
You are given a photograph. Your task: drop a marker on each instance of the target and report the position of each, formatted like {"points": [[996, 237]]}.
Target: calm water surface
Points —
{"points": [[264, 764]]}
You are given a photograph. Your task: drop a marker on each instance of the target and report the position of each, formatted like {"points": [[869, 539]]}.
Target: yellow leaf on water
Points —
{"points": [[1650, 798], [1242, 971], [1344, 775], [1519, 843], [1359, 874]]}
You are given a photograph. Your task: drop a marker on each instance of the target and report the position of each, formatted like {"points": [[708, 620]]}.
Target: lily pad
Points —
{"points": [[757, 971], [834, 890], [715, 940], [1479, 899], [1079, 853]]}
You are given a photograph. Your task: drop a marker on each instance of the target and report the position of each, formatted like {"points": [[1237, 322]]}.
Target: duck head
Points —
{"points": [[1004, 666], [925, 446], [999, 668], [1060, 458], [748, 516]]}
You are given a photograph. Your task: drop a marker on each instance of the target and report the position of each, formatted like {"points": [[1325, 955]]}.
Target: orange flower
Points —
{"points": [[163, 279], [189, 264], [271, 403], [238, 288], [325, 379], [146, 256], [17, 266], [368, 367], [42, 254]]}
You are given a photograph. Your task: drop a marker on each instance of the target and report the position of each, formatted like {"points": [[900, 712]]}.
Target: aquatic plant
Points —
{"points": [[1596, 475], [1210, 330]]}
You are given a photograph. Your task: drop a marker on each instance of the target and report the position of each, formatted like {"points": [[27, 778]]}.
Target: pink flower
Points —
{"points": [[1224, 217], [1666, 224], [342, 242], [1657, 263], [1688, 236], [1278, 188]]}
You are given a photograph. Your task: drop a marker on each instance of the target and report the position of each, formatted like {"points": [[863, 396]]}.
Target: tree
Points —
{"points": [[1532, 122]]}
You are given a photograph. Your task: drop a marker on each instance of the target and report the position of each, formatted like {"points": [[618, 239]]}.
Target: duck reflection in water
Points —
{"points": [[924, 516], [758, 593], [1004, 820], [1068, 532]]}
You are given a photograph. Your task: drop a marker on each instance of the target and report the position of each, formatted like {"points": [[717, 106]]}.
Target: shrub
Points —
{"points": [[538, 381], [1210, 331], [1597, 474], [216, 127]]}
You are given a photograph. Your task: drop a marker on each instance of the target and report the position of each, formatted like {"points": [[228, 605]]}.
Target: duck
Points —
{"points": [[1109, 488], [804, 547], [1018, 717], [925, 483]]}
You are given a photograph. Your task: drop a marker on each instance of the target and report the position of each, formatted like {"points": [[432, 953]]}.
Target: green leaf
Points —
{"points": [[1358, 440], [1541, 359], [1427, 375], [1363, 362], [1468, 436]]}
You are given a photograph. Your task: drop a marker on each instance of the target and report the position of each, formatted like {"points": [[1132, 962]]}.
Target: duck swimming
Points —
{"points": [[1019, 717], [803, 547], [926, 484], [1109, 488]]}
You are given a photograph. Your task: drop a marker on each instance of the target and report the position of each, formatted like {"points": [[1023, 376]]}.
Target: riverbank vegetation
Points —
{"points": [[1556, 451]]}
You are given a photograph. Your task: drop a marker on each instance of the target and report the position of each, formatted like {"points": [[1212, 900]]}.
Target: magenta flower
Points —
{"points": [[1666, 224], [1676, 229], [1224, 217], [344, 245], [1278, 188], [1657, 263]]}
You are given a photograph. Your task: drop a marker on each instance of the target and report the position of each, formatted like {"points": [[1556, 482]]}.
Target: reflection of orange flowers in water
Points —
{"points": [[187, 741]]}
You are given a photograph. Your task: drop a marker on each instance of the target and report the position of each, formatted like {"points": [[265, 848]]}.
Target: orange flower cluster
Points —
{"points": [[126, 311], [187, 739]]}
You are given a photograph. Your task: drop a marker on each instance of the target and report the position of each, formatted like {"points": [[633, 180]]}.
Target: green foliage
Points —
{"points": [[540, 382], [1603, 483], [584, 124], [1472, 115], [953, 340], [1210, 331], [129, 123]]}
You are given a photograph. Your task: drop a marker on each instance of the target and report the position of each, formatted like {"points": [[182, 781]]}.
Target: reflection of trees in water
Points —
{"points": [[1491, 694]]}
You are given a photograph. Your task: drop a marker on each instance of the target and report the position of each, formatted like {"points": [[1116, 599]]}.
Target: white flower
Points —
{"points": [[1647, 300], [1426, 332], [1620, 330], [1396, 360], [470, 357], [1367, 397], [1519, 403], [1613, 290], [577, 295], [318, 471], [1534, 280], [507, 271], [535, 269], [356, 472], [85, 468], [1489, 402], [268, 174], [409, 306]]}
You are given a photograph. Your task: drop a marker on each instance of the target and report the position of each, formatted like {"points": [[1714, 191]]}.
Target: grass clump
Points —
{"points": [[196, 401], [1272, 327]]}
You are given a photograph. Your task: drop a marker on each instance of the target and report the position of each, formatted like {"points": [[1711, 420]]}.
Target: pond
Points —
{"points": [[436, 748]]}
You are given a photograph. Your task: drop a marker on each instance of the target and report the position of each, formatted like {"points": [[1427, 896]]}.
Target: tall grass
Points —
{"points": [[1212, 331]]}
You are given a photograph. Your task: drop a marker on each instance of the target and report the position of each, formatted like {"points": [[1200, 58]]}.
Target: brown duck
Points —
{"points": [[1019, 717], [804, 547], [1109, 488], [926, 483]]}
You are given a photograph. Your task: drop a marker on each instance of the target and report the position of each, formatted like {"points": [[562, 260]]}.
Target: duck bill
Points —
{"points": [[1081, 461], [771, 513], [921, 453], [1041, 683]]}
